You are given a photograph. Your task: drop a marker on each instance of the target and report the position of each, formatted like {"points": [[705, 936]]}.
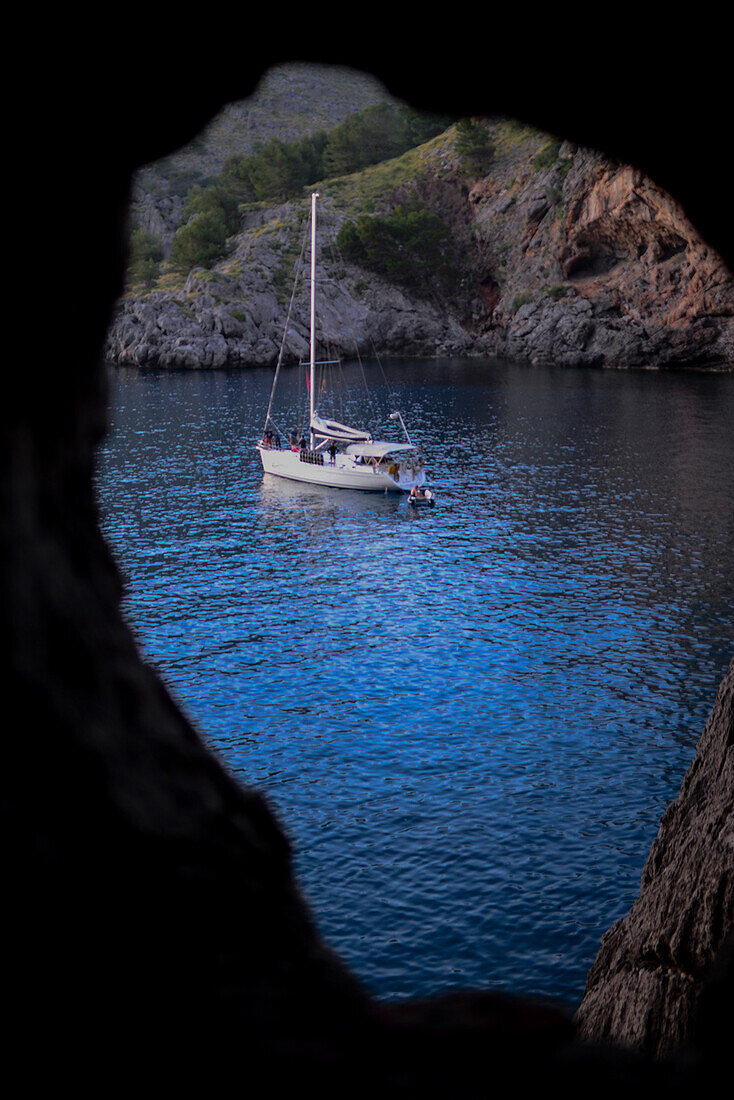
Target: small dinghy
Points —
{"points": [[421, 498]]}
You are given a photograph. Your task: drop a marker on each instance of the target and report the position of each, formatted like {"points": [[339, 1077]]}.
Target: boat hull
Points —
{"points": [[345, 473]]}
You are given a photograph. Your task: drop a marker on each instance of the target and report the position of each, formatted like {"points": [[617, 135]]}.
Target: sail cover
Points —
{"points": [[332, 429]]}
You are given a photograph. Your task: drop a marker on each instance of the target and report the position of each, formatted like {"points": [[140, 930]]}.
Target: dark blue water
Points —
{"points": [[469, 720]]}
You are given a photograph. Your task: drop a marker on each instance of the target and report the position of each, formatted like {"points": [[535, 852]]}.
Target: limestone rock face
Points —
{"points": [[580, 262], [644, 986], [236, 314], [615, 273]]}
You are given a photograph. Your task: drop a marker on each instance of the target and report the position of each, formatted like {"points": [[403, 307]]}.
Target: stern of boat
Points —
{"points": [[406, 477]]}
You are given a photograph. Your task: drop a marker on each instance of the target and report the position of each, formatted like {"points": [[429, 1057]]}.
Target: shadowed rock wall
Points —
{"points": [[154, 934], [644, 986]]}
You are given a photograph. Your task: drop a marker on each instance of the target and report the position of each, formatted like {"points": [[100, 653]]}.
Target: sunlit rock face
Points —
{"points": [[601, 268]]}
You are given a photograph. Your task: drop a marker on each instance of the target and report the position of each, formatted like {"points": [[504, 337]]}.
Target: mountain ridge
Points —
{"points": [[290, 102]]}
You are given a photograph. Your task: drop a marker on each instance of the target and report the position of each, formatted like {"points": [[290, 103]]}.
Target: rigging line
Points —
{"points": [[332, 358], [390, 392], [299, 400], [374, 413], [287, 322], [340, 379], [335, 372], [335, 388], [279, 431], [337, 257], [375, 353], [326, 384], [367, 389]]}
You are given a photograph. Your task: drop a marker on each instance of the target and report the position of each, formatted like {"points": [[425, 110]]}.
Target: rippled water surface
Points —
{"points": [[470, 719]]}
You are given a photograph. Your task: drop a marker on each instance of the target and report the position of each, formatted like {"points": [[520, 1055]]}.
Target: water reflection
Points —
{"points": [[322, 502]]}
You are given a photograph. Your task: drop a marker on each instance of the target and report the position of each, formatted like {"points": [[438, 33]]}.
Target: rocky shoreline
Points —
{"points": [[581, 263]]}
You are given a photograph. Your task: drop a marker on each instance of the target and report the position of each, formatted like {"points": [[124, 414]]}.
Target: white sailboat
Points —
{"points": [[336, 454]]}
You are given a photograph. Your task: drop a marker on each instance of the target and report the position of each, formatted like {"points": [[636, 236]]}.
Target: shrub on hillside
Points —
{"points": [[410, 246], [474, 145], [146, 253], [280, 170], [217, 199], [379, 133], [199, 243], [548, 155]]}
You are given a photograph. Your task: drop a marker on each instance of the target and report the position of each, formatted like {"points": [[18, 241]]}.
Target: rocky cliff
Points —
{"points": [[614, 273], [644, 987], [563, 256], [152, 926]]}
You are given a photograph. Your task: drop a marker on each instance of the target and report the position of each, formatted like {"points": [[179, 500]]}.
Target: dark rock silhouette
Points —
{"points": [[645, 984], [154, 934]]}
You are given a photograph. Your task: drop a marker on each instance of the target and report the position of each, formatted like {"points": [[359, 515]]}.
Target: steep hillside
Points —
{"points": [[559, 255], [291, 102]]}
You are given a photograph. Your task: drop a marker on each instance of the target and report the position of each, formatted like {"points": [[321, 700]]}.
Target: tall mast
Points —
{"points": [[313, 314]]}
